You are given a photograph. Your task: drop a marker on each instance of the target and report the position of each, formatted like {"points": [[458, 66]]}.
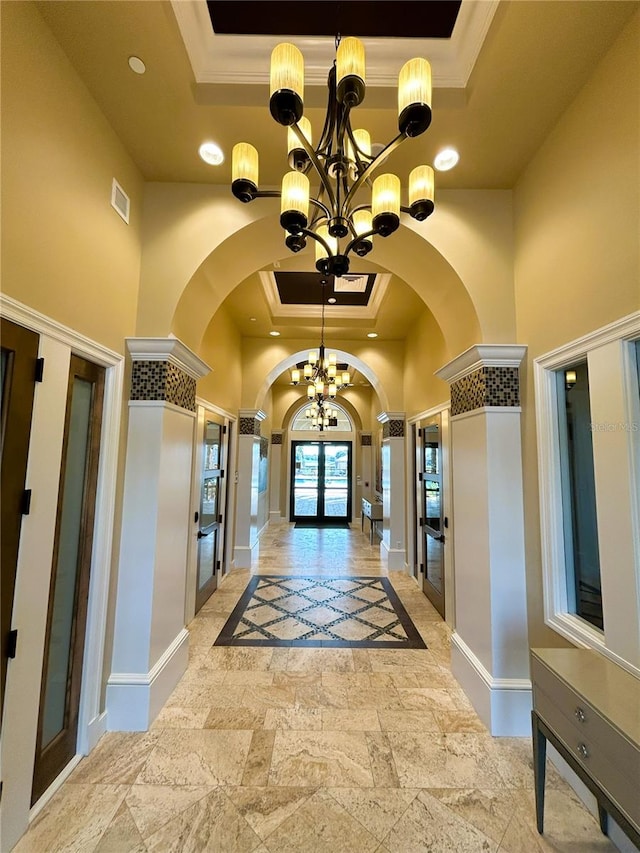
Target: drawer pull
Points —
{"points": [[579, 715], [582, 750]]}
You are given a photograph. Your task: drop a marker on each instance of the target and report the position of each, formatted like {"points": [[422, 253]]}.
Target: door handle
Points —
{"points": [[201, 535]]}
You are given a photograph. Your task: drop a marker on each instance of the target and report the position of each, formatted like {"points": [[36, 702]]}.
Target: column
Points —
{"points": [[490, 652], [365, 477], [392, 546], [275, 476], [245, 550], [150, 648]]}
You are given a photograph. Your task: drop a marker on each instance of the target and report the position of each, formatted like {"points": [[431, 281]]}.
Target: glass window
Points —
{"points": [[580, 521]]}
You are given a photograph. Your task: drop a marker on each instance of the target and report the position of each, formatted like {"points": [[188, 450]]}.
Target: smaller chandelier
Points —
{"points": [[321, 415], [341, 221]]}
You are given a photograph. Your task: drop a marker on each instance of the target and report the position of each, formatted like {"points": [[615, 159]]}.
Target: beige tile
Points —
{"points": [[321, 825], [248, 678], [408, 721], [489, 810], [319, 696], [377, 809], [122, 835], [175, 717], [212, 824], [383, 765], [320, 660], [427, 825], [190, 694], [118, 758], [295, 679], [426, 699], [265, 809], [320, 758], [228, 658], [186, 757], [374, 698], [350, 721], [74, 820], [152, 806], [234, 718], [256, 769], [300, 719], [444, 761], [459, 721]]}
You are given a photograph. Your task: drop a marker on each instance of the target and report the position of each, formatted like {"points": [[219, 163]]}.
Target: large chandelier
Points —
{"points": [[323, 379], [342, 219]]}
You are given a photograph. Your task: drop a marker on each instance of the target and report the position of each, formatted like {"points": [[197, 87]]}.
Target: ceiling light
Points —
{"points": [[339, 219], [253, 319], [372, 335], [446, 159], [137, 65], [275, 334], [332, 300], [323, 381], [211, 153]]}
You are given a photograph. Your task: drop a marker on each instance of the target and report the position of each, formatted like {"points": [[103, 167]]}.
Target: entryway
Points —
{"points": [[321, 482]]}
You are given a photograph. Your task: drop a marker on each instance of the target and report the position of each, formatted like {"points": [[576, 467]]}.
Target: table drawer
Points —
{"points": [[592, 755], [588, 722]]}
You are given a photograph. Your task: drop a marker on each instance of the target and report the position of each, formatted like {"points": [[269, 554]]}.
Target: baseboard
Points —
{"points": [[55, 786], [244, 555], [96, 728], [275, 516], [135, 699], [503, 704]]}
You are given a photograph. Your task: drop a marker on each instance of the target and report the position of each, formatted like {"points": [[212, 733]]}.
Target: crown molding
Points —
{"points": [[481, 355], [168, 349]]}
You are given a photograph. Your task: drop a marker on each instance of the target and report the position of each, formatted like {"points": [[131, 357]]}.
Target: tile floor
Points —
{"points": [[330, 750]]}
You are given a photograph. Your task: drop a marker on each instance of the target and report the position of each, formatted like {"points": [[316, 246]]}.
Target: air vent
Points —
{"points": [[350, 284], [120, 201]]}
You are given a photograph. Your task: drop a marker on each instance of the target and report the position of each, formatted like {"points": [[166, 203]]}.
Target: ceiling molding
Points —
{"points": [[245, 59], [279, 311]]}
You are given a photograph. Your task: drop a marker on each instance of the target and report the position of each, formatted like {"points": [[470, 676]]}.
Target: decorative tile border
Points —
{"points": [[249, 426], [393, 429], [248, 626], [276, 438], [486, 386], [365, 440], [163, 380]]}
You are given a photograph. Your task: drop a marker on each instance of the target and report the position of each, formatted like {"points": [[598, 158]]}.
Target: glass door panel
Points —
{"points": [[211, 502], [336, 480], [432, 519], [305, 479]]}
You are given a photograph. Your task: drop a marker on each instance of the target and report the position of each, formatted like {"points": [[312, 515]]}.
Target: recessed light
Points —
{"points": [[332, 300], [275, 334], [211, 153], [137, 65], [446, 159], [372, 335], [253, 319]]}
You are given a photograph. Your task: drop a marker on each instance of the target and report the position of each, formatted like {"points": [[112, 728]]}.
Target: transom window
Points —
{"points": [[301, 423]]}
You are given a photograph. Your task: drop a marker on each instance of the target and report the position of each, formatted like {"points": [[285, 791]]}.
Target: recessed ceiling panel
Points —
{"points": [[379, 19], [305, 288]]}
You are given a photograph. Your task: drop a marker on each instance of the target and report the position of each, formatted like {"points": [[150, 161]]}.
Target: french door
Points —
{"points": [[320, 481], [69, 589], [212, 506], [18, 376], [433, 521]]}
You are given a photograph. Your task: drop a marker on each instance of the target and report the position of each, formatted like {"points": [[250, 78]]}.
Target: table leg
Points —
{"points": [[539, 768]]}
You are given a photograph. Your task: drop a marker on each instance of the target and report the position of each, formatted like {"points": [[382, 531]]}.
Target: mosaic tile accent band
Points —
{"points": [[163, 380], [276, 438], [486, 386], [365, 440], [354, 612], [393, 429], [249, 426]]}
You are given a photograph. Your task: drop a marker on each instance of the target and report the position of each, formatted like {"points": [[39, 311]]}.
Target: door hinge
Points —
{"points": [[224, 429], [420, 477], [217, 565], [446, 521], [12, 643], [39, 370], [222, 473], [25, 502], [419, 433], [421, 568], [421, 522], [220, 519]]}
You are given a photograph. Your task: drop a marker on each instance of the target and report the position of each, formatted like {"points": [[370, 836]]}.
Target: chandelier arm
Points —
{"points": [[314, 236], [316, 164], [321, 206], [382, 156], [359, 239], [362, 159], [329, 120], [267, 194]]}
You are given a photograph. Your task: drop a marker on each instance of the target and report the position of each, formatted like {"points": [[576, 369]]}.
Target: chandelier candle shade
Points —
{"points": [[349, 208]]}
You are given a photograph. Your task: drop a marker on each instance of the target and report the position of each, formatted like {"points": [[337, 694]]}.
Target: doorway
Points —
{"points": [[432, 521], [321, 482], [69, 590], [212, 508], [17, 384]]}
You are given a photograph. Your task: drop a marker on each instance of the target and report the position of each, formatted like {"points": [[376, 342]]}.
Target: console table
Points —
{"points": [[589, 708], [374, 513]]}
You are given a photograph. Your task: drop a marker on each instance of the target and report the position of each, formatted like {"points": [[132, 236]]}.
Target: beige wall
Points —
{"points": [[65, 251], [425, 352], [577, 247], [221, 350]]}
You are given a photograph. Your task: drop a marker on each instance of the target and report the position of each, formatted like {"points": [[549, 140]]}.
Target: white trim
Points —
{"points": [[96, 728], [98, 599], [211, 407], [384, 417], [168, 349], [54, 787], [503, 704], [481, 355], [483, 410], [161, 404], [429, 413], [545, 367]]}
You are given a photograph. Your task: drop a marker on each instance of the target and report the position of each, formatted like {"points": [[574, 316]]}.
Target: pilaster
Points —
{"points": [[246, 537], [392, 546]]}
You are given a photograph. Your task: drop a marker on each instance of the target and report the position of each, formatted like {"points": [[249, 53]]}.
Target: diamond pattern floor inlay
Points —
{"points": [[358, 612]]}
